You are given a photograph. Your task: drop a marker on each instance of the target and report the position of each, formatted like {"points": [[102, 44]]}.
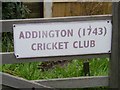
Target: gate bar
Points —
{"points": [[17, 82], [9, 58]]}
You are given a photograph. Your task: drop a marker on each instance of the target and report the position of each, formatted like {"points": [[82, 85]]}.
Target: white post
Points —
{"points": [[47, 8]]}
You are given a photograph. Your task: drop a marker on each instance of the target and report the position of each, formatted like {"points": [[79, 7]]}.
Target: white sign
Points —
{"points": [[62, 38]]}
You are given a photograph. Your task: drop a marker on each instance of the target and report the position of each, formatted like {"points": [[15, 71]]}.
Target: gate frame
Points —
{"points": [[112, 81]]}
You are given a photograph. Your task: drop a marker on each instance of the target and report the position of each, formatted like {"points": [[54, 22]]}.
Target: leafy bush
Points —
{"points": [[12, 10], [74, 68]]}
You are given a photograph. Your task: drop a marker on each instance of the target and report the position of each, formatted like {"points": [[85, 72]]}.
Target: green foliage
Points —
{"points": [[73, 69], [26, 70], [30, 71], [7, 42], [99, 66], [14, 10]]}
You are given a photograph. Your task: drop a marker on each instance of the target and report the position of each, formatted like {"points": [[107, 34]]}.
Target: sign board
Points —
{"points": [[62, 38]]}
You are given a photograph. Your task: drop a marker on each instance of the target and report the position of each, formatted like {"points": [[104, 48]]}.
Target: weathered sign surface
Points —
{"points": [[62, 38]]}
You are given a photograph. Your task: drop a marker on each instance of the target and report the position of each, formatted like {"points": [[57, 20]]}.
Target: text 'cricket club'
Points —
{"points": [[54, 34]]}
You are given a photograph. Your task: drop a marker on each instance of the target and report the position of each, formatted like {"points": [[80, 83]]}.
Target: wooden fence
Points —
{"points": [[75, 82], [10, 81], [68, 8], [62, 9]]}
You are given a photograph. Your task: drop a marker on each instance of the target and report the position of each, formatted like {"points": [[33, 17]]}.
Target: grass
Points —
{"points": [[99, 66], [26, 70], [30, 71]]}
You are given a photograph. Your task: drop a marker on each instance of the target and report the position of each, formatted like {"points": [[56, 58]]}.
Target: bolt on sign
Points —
{"points": [[62, 38]]}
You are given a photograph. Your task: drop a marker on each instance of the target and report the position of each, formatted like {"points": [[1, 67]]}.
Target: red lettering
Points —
{"points": [[60, 45], [54, 45], [33, 46], [51, 33], [80, 44], [27, 34], [21, 35], [48, 46], [63, 33], [39, 46], [92, 43], [86, 44], [66, 44], [74, 44], [34, 34]]}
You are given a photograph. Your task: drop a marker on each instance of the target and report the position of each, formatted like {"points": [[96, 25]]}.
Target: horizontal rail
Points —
{"points": [[76, 82], [17, 82], [8, 24], [9, 58]]}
